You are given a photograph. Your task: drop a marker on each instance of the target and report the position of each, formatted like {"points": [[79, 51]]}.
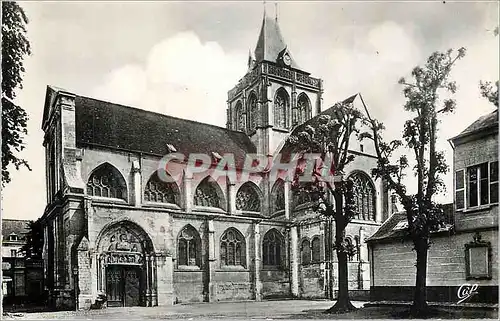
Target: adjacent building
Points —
{"points": [[465, 253], [21, 278], [115, 224]]}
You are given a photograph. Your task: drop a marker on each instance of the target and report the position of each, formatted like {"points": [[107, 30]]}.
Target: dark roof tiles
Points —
{"points": [[482, 123], [17, 227], [106, 124], [387, 231]]}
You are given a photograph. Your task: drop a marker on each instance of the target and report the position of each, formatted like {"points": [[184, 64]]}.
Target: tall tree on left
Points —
{"points": [[15, 47]]}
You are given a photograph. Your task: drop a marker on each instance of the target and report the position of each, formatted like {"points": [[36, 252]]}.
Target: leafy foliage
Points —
{"points": [[15, 46], [419, 137], [34, 240], [488, 93], [329, 140]]}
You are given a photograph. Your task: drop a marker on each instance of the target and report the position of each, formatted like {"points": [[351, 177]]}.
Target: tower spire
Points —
{"points": [[276, 11]]}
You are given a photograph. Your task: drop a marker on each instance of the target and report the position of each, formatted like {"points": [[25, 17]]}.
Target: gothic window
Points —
{"points": [[305, 249], [106, 181], [160, 191], [252, 104], [364, 195], [316, 249], [301, 196], [304, 108], [232, 248], [240, 117], [271, 248], [278, 196], [281, 103], [189, 243], [247, 198], [208, 194]]}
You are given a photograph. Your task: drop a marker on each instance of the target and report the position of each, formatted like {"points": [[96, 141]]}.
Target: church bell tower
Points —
{"points": [[275, 95]]}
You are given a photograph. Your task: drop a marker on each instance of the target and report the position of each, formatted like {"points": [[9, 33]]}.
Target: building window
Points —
{"points": [[106, 181], [303, 109], [364, 192], [278, 196], [271, 248], [252, 103], [301, 195], [247, 198], [189, 247], [13, 253], [477, 185], [281, 103], [305, 249], [478, 259], [13, 237], [232, 248], [240, 117], [208, 194], [160, 191], [316, 249]]}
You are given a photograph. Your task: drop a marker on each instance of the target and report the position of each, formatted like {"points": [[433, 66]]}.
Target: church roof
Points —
{"points": [[106, 124], [271, 43]]}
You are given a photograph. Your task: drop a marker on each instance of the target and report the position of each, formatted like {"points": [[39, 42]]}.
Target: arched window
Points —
{"points": [[247, 198], [305, 252], [208, 193], [271, 248], [240, 117], [160, 191], [106, 181], [316, 249], [252, 107], [278, 196], [281, 103], [189, 247], [301, 196], [303, 108], [232, 248], [364, 195]]}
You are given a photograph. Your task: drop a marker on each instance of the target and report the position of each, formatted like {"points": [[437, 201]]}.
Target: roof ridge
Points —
{"points": [[161, 114]]}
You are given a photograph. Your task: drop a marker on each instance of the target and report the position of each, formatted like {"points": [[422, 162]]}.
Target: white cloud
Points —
{"points": [[182, 77]]}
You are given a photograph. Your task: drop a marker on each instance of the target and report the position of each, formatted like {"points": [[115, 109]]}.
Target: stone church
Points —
{"points": [[113, 226]]}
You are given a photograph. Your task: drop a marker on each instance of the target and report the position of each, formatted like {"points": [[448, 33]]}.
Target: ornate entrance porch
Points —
{"points": [[127, 266]]}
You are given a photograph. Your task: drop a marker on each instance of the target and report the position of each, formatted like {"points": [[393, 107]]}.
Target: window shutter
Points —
{"points": [[494, 182], [460, 189]]}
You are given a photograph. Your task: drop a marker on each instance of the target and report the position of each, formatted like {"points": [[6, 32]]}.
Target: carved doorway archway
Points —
{"points": [[127, 266]]}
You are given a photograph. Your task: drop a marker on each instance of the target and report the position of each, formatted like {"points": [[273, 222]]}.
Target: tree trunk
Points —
{"points": [[419, 307], [343, 304]]}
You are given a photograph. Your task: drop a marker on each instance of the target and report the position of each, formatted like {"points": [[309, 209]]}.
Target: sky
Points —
{"points": [[181, 58]]}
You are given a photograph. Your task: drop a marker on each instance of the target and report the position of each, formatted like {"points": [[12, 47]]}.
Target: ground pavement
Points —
{"points": [[250, 310]]}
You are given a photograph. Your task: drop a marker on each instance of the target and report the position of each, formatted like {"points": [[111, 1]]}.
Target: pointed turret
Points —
{"points": [[251, 60], [271, 46]]}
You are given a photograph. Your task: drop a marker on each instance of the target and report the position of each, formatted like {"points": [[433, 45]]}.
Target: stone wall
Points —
{"points": [[393, 267]]}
